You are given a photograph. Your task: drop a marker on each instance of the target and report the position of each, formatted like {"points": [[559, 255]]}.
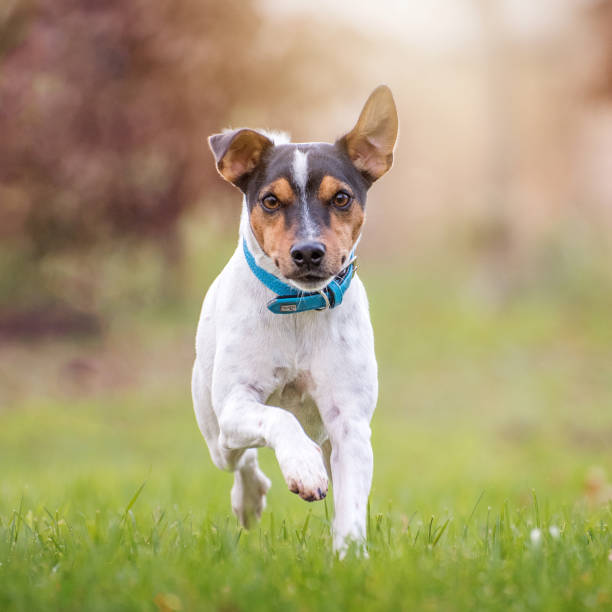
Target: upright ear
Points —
{"points": [[238, 153], [370, 143]]}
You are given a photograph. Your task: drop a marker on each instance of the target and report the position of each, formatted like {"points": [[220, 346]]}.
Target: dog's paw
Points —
{"points": [[303, 469], [248, 496]]}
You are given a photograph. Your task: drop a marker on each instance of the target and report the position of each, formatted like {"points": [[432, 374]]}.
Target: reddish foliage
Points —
{"points": [[104, 110]]}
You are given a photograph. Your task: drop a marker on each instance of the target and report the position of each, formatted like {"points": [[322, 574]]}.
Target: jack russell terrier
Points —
{"points": [[284, 347]]}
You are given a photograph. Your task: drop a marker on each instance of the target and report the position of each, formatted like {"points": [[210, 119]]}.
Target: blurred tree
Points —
{"points": [[104, 110]]}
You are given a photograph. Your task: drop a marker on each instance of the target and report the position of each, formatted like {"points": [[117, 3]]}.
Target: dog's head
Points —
{"points": [[306, 201]]}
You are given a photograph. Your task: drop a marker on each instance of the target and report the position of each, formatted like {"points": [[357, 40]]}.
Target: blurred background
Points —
{"points": [[486, 252]]}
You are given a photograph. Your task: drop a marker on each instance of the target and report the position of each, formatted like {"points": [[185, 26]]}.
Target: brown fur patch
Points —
{"points": [[281, 189], [243, 155], [344, 226], [272, 235], [330, 186], [270, 229]]}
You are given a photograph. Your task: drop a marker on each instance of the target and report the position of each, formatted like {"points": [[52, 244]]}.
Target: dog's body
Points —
{"points": [[302, 383]]}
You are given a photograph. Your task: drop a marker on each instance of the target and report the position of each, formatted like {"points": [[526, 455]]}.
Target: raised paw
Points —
{"points": [[304, 471]]}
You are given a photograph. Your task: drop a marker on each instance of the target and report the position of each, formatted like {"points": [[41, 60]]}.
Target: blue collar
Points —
{"points": [[292, 300]]}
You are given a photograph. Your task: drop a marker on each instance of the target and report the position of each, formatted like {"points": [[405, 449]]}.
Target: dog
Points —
{"points": [[284, 346]]}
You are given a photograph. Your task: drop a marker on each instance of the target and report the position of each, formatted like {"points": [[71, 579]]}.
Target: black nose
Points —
{"points": [[308, 253]]}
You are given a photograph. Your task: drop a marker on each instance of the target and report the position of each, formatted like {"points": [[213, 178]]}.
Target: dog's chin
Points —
{"points": [[310, 283]]}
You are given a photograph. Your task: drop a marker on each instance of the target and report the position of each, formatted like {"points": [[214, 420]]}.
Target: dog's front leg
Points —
{"points": [[245, 422], [351, 467], [346, 403]]}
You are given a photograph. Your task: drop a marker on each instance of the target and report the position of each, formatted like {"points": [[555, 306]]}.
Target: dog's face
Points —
{"points": [[306, 202]]}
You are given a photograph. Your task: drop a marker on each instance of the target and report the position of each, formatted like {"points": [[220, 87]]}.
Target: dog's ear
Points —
{"points": [[237, 153], [370, 143]]}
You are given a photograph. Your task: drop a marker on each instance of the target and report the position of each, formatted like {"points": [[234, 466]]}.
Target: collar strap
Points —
{"points": [[290, 300]]}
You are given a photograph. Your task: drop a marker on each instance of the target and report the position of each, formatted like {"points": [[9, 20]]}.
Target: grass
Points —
{"points": [[135, 558], [490, 440]]}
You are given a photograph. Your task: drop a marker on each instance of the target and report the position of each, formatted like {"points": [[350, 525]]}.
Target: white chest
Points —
{"points": [[293, 395]]}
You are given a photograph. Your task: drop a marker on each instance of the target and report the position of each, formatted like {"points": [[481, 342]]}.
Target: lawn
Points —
{"points": [[492, 445]]}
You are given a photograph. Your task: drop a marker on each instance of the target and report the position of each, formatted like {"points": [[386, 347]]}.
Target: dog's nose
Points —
{"points": [[308, 253]]}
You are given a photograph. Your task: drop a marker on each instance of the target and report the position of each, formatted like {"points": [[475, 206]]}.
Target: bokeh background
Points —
{"points": [[486, 252]]}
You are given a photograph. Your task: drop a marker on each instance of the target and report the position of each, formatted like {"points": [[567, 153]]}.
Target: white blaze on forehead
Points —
{"points": [[300, 169], [300, 176]]}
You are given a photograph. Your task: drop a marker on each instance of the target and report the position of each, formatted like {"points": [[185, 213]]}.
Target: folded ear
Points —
{"points": [[370, 143], [238, 153]]}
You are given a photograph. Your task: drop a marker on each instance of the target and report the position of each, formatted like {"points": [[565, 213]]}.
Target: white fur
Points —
{"points": [[278, 138], [300, 169], [303, 384], [300, 177]]}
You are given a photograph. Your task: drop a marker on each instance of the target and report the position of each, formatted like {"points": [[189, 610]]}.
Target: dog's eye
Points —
{"points": [[270, 202], [341, 200]]}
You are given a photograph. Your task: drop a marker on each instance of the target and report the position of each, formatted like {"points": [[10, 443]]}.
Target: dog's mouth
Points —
{"points": [[311, 281], [313, 278]]}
